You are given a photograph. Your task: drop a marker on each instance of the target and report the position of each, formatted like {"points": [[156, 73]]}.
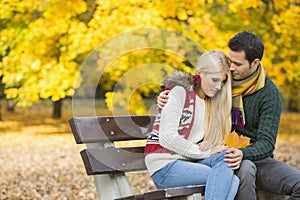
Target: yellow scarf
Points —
{"points": [[243, 88]]}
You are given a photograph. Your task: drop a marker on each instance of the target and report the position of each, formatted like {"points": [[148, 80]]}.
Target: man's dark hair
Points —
{"points": [[250, 43]]}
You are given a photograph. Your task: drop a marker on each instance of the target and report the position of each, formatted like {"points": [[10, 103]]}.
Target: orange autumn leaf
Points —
{"points": [[236, 141]]}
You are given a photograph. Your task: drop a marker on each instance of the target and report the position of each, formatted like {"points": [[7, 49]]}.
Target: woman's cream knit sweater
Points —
{"points": [[185, 149]]}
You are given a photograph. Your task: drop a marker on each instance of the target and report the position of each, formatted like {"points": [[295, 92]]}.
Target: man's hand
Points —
{"points": [[162, 99], [234, 158]]}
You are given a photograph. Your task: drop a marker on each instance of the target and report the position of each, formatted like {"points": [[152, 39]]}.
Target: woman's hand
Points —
{"points": [[218, 149], [234, 157], [162, 99]]}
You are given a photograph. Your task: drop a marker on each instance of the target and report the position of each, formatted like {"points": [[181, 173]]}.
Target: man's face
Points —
{"points": [[240, 67]]}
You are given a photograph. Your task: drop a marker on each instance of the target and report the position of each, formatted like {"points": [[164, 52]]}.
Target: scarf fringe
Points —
{"points": [[237, 117]]}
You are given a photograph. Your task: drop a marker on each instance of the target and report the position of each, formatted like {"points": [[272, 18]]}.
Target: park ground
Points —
{"points": [[39, 158]]}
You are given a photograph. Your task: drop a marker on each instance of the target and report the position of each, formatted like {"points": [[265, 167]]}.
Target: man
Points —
{"points": [[256, 113]]}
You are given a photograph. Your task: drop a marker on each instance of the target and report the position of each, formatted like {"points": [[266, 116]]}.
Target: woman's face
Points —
{"points": [[212, 83]]}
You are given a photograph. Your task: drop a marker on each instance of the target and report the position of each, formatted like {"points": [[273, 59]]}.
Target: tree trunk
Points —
{"points": [[293, 101], [10, 105], [0, 109], [57, 106], [1, 95], [293, 105]]}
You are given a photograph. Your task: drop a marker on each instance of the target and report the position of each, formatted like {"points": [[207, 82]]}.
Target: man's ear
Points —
{"points": [[255, 63]]}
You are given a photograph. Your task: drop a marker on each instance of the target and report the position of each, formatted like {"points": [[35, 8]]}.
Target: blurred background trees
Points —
{"points": [[44, 44]]}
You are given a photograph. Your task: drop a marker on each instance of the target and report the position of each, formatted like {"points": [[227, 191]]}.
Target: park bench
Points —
{"points": [[109, 163]]}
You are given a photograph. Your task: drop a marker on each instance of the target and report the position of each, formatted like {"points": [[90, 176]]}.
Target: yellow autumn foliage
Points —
{"points": [[44, 42]]}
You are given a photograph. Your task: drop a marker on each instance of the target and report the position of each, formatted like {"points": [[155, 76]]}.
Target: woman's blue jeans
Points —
{"points": [[220, 181]]}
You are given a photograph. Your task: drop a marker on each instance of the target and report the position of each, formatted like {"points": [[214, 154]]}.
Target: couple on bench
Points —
{"points": [[186, 146]]}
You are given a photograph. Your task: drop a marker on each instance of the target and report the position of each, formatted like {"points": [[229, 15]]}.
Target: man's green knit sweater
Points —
{"points": [[262, 114]]}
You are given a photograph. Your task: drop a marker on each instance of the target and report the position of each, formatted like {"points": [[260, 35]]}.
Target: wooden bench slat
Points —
{"points": [[113, 160], [174, 192], [109, 128], [132, 197]]}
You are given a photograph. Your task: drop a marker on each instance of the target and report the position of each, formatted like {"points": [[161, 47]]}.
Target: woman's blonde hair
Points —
{"points": [[218, 108]]}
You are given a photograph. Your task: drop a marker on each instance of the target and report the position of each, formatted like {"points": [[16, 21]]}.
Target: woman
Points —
{"points": [[186, 145]]}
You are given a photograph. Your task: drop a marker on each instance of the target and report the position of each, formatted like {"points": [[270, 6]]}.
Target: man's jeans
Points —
{"points": [[220, 181]]}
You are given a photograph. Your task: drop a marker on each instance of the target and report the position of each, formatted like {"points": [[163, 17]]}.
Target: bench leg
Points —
{"points": [[111, 186]]}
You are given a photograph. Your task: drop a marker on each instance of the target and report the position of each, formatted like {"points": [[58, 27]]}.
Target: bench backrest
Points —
{"points": [[104, 131]]}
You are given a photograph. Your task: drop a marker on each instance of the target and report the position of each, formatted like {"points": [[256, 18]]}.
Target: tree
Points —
{"points": [[162, 14], [50, 47], [37, 62], [1, 96], [277, 23]]}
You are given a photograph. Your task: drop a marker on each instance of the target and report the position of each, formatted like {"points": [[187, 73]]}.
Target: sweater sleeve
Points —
{"points": [[169, 137], [263, 125]]}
